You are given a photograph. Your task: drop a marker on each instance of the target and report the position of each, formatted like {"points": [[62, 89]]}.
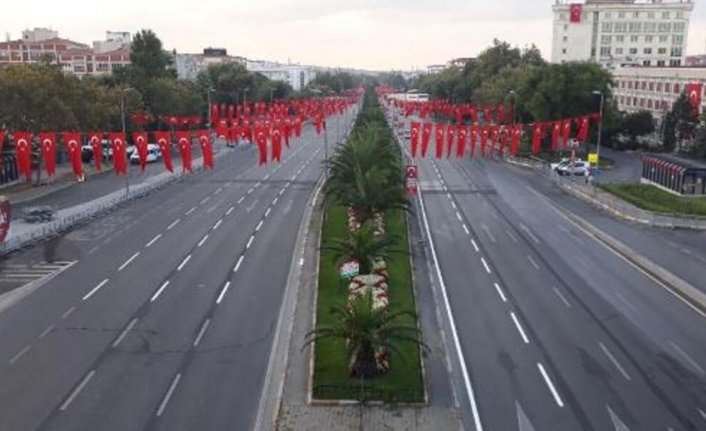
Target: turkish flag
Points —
{"points": [[95, 139], [414, 137], [693, 91], [494, 133], [164, 142], [140, 139], [231, 112], [461, 143], [450, 139], [261, 144], [504, 135], [537, 135], [184, 143], [556, 131], [474, 115], [287, 131], [222, 129], [484, 132], [215, 115], [439, 140], [23, 147], [2, 141], [474, 138], [277, 145], [488, 114], [48, 142], [426, 136], [459, 116], [583, 125], [566, 132], [516, 135], [117, 143], [72, 141], [575, 10], [501, 114], [204, 138], [298, 126]]}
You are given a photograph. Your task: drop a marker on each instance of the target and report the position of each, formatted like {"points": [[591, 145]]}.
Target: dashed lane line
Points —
{"points": [[485, 265], [237, 265], [549, 383], [20, 354], [159, 291], [127, 262], [174, 223], [519, 327], [615, 362], [197, 341], [155, 239], [203, 240], [78, 390], [562, 297], [500, 292], [168, 395], [184, 262], [223, 292], [124, 333], [95, 289]]}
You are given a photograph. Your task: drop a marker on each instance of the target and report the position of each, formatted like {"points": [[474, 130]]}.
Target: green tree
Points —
{"points": [[148, 56], [364, 246], [638, 124], [366, 330], [230, 82]]}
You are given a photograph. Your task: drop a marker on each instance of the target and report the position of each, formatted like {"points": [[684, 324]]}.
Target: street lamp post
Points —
{"points": [[514, 106], [122, 119], [600, 127], [208, 108]]}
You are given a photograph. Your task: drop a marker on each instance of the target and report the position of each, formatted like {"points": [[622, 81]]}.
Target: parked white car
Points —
{"points": [[578, 167], [153, 154]]}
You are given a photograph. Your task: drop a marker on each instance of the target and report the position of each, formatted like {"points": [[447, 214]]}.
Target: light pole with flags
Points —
{"points": [[122, 119], [600, 127]]}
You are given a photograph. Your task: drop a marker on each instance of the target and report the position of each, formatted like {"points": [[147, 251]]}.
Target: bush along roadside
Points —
{"points": [[366, 337]]}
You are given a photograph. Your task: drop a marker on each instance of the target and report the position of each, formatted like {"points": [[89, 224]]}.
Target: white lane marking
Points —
{"points": [[259, 226], [174, 223], [475, 246], [281, 192], [218, 190], [155, 239], [453, 205], [500, 292], [465, 229], [512, 237], [485, 264], [529, 233], [448, 195], [702, 413], [47, 331], [487, 232], [237, 265], [240, 201], [123, 334], [457, 344], [257, 184], [203, 240], [274, 201], [301, 262], [223, 292], [204, 200], [458, 216], [159, 291], [687, 358], [218, 223], [68, 312], [267, 177], [168, 395], [625, 301], [127, 262], [549, 383], [19, 354], [532, 262], [252, 238], [230, 210], [190, 211], [252, 189], [519, 328], [184, 262], [563, 299], [201, 332], [95, 289], [614, 361], [267, 213], [78, 389]]}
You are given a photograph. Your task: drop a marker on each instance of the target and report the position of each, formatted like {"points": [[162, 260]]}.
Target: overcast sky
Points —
{"points": [[372, 34]]}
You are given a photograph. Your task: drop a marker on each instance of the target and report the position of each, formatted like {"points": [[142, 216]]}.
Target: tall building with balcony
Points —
{"points": [[621, 32]]}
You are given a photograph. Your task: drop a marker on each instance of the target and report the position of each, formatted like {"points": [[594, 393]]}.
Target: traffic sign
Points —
{"points": [[411, 180], [593, 158], [412, 171]]}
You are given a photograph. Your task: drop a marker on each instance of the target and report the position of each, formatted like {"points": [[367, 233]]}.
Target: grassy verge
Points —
{"points": [[403, 383], [651, 198]]}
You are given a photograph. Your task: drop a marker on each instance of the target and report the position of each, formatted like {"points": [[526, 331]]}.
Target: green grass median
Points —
{"points": [[651, 198]]}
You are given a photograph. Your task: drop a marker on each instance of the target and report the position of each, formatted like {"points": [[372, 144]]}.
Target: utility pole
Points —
{"points": [[122, 119], [600, 128]]}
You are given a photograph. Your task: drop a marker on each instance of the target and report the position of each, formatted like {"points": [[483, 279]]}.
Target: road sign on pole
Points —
{"points": [[411, 174]]}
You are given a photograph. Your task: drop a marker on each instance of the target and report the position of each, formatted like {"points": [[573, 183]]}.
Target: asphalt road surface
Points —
{"points": [[165, 319]]}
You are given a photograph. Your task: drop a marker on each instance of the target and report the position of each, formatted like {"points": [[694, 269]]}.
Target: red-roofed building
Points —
{"points": [[74, 57]]}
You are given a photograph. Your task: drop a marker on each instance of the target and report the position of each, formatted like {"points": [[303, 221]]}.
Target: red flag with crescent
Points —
{"points": [[48, 143], [261, 140], [140, 140], [276, 145], [95, 139], [583, 124], [426, 136], [163, 140], [484, 133], [450, 139], [439, 140], [2, 139], [474, 138], [556, 132], [461, 142], [117, 143], [414, 137], [298, 126], [515, 143], [566, 132], [204, 138], [184, 144], [575, 10], [537, 135], [693, 92], [23, 148], [72, 141]]}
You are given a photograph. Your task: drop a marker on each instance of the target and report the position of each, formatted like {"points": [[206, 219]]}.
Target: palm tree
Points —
{"points": [[366, 331], [364, 246]]}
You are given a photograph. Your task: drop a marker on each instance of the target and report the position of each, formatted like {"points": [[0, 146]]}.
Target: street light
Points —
{"points": [[122, 118], [208, 108], [514, 106], [600, 127]]}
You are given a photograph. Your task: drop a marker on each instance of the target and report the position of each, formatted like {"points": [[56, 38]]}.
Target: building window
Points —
{"points": [[676, 51], [675, 63], [605, 51], [633, 51], [566, 27], [647, 51], [650, 15], [634, 27], [661, 51], [660, 63], [646, 62], [621, 27], [620, 39], [633, 39], [680, 14], [676, 88], [621, 15], [565, 38], [652, 84], [607, 15], [618, 51], [665, 15], [650, 27], [562, 16], [659, 84], [664, 27], [649, 103], [678, 27], [636, 14], [667, 86], [677, 39], [563, 51], [644, 85], [649, 38], [607, 27], [605, 40]]}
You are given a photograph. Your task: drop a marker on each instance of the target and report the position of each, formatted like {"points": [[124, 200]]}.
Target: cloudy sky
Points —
{"points": [[371, 34]]}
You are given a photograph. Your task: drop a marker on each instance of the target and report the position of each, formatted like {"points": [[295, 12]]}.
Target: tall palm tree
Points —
{"points": [[364, 246], [366, 331]]}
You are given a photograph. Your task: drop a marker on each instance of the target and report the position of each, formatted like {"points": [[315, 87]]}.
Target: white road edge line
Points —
{"points": [[237, 265], [184, 262], [465, 229], [190, 211], [259, 226], [614, 361], [223, 292], [240, 201], [78, 389], [68, 312], [168, 395], [485, 264], [127, 262], [252, 238], [519, 328], [555, 394], [155, 239], [500, 292], [458, 216], [201, 332], [95, 289], [47, 331], [532, 262], [203, 240], [123, 334], [174, 223], [21, 353], [563, 299], [267, 213], [452, 323], [159, 291]]}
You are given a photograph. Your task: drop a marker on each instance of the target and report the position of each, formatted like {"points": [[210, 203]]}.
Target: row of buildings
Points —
{"points": [[104, 56]]}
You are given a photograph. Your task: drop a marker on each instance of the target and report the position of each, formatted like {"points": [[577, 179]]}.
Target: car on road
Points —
{"points": [[153, 154], [577, 167]]}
